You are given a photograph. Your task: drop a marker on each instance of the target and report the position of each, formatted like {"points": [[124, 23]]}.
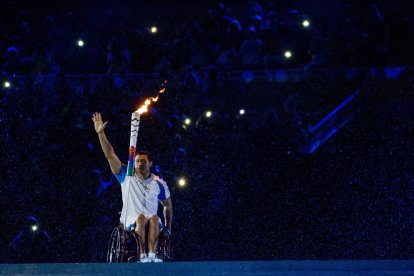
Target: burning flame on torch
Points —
{"points": [[144, 108]]}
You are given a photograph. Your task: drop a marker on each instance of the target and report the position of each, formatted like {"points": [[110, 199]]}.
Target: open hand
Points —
{"points": [[98, 123]]}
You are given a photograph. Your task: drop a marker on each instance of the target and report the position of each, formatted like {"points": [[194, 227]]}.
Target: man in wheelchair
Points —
{"points": [[140, 195]]}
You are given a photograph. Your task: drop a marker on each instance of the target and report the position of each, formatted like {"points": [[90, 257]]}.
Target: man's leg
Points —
{"points": [[140, 232], [154, 231]]}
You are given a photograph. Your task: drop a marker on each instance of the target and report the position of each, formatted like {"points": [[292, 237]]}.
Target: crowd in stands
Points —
{"points": [[365, 34], [252, 193]]}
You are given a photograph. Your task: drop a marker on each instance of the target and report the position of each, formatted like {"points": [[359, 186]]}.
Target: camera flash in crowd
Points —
{"points": [[81, 43], [187, 121], [208, 114], [288, 54], [182, 182], [7, 84], [242, 111], [34, 228], [306, 23], [153, 29]]}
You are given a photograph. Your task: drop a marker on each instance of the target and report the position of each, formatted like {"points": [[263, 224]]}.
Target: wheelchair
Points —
{"points": [[124, 246]]}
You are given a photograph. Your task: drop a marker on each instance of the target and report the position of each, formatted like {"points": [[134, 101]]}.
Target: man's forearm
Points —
{"points": [[106, 146], [109, 152], [168, 216]]}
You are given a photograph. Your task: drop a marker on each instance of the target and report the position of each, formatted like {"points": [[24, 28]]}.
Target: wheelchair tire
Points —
{"points": [[164, 248], [115, 252], [123, 247]]}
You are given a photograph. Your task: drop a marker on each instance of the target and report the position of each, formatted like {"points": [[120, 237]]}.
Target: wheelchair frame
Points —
{"points": [[120, 249]]}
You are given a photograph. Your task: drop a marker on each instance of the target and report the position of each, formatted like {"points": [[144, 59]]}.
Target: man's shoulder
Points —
{"points": [[121, 175], [162, 187], [158, 179]]}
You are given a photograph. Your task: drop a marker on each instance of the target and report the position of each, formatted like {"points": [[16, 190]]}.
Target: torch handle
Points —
{"points": [[135, 120], [130, 168]]}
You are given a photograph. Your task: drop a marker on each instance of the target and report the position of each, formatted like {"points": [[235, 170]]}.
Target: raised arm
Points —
{"points": [[107, 148]]}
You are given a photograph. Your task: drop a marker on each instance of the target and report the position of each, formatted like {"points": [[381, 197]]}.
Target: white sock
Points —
{"points": [[151, 255], [143, 256]]}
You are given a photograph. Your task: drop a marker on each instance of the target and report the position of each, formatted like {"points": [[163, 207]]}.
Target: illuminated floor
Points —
{"points": [[218, 268]]}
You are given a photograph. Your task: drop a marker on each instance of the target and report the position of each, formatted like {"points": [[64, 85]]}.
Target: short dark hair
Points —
{"points": [[144, 152]]}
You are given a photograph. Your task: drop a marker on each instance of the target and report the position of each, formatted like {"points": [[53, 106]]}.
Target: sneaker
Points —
{"points": [[145, 260], [155, 260]]}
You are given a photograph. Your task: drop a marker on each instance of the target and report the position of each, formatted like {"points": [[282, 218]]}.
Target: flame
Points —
{"points": [[144, 108]]}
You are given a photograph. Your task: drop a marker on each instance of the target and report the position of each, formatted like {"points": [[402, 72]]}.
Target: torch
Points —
{"points": [[135, 120]]}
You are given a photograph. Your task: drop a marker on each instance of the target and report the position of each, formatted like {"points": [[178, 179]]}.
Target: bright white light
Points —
{"points": [[288, 54], [81, 43], [182, 182], [7, 84], [154, 29], [242, 111], [34, 228], [187, 121], [208, 114], [305, 23]]}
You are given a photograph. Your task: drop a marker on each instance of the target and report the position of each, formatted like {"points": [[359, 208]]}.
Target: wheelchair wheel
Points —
{"points": [[132, 249], [123, 246], [164, 248], [114, 253]]}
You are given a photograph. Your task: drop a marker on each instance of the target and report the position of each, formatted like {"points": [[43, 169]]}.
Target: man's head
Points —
{"points": [[143, 163]]}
